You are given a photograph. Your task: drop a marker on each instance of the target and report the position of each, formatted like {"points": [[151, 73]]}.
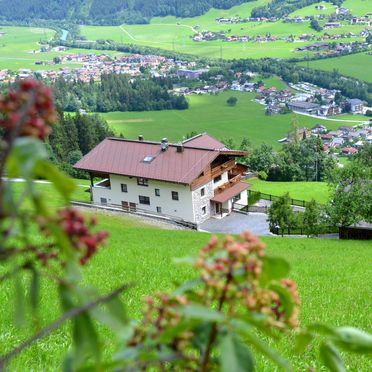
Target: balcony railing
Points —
{"points": [[227, 185], [217, 170]]}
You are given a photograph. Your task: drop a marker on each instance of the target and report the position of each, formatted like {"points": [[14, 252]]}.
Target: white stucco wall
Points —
{"points": [[182, 208]]}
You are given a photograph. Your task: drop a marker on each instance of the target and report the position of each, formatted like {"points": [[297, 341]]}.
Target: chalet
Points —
{"points": [[349, 151], [191, 74], [356, 105], [191, 181], [318, 129]]}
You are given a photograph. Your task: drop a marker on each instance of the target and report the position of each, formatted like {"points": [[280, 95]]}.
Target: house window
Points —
{"points": [[158, 209], [217, 179], [157, 192], [103, 201], [204, 210], [237, 197], [142, 181], [124, 187], [175, 195], [202, 191], [144, 200]]}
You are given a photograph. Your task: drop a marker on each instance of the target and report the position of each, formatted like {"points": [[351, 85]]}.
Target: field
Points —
{"points": [[332, 277], [358, 7], [355, 65], [297, 190], [173, 33], [210, 113], [19, 49]]}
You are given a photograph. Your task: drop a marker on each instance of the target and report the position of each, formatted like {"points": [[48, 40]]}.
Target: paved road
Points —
{"points": [[235, 223]]}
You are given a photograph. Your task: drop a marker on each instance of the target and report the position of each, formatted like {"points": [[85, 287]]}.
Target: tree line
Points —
{"points": [[350, 201], [117, 93], [280, 8], [73, 136]]}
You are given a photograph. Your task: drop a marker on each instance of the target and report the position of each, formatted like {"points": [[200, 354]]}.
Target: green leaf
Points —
{"points": [[185, 287], [303, 340], [353, 339], [117, 310], [34, 288], [25, 153], [235, 356], [285, 298], [85, 339], [63, 184], [245, 331], [196, 311], [19, 306], [331, 357], [274, 268]]}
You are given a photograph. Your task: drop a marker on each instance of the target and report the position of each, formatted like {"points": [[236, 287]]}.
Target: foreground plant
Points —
{"points": [[37, 242]]}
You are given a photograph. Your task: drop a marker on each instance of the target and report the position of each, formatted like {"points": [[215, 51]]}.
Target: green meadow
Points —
{"points": [[355, 65], [297, 190], [173, 33], [358, 7], [210, 113], [311, 11], [332, 278], [20, 45]]}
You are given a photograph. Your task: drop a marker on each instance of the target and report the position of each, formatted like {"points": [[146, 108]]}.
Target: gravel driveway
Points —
{"points": [[235, 223]]}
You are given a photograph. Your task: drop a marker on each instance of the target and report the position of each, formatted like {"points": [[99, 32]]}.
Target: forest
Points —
{"points": [[117, 93], [74, 136], [108, 12]]}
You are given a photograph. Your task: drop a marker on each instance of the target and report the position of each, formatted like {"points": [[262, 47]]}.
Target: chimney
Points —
{"points": [[180, 148], [164, 144], [140, 137]]}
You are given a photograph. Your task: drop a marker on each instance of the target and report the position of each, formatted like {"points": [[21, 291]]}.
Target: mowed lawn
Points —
{"points": [[355, 65], [332, 278], [210, 113], [297, 190]]}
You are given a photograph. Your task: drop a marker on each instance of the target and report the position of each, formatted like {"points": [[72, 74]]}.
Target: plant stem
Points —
{"points": [[213, 333]]}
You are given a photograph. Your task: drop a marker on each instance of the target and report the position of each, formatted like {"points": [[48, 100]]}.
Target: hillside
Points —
{"points": [[107, 11], [331, 285]]}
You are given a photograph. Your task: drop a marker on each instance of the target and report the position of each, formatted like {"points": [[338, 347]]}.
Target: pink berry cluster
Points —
{"points": [[230, 274], [78, 231], [30, 106], [232, 271], [159, 314]]}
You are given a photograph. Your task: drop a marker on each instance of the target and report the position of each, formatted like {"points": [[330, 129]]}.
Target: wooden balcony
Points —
{"points": [[227, 185], [224, 167]]}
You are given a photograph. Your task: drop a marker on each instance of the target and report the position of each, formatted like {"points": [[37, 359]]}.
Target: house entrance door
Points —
{"points": [[218, 208]]}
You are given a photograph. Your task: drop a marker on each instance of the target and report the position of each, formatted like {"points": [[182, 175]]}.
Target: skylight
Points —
{"points": [[148, 159]]}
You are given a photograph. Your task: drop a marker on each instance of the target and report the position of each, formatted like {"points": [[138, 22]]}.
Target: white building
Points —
{"points": [[191, 181]]}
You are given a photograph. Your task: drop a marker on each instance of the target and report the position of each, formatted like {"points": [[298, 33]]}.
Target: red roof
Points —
{"points": [[230, 192], [126, 157], [204, 141]]}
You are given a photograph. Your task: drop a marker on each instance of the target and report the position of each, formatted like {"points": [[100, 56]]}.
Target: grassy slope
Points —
{"points": [[175, 34], [297, 190], [346, 65], [211, 114], [358, 7], [331, 276], [310, 10]]}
